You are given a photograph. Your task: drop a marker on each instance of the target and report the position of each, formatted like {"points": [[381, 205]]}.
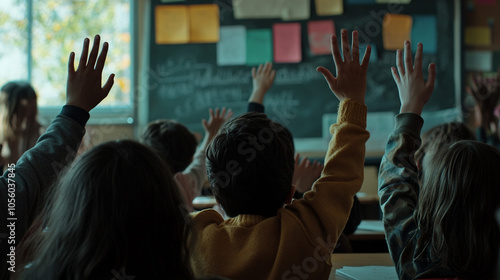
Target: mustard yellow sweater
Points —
{"points": [[298, 241]]}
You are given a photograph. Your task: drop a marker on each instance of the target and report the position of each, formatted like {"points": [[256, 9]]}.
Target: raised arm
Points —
{"points": [[329, 202], [398, 176], [262, 80], [305, 173], [38, 168]]}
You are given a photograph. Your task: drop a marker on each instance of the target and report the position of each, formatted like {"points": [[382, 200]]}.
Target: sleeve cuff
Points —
{"points": [[255, 107], [76, 113], [409, 121], [352, 112]]}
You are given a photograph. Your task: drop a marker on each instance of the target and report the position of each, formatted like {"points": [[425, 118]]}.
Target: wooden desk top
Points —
{"points": [[370, 230], [339, 260]]}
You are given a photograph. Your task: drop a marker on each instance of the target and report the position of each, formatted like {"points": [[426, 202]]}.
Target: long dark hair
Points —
{"points": [[115, 211], [456, 209]]}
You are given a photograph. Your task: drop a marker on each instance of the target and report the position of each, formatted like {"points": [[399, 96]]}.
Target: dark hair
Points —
{"points": [[11, 96], [250, 165], [172, 141], [116, 209], [440, 136], [457, 202]]}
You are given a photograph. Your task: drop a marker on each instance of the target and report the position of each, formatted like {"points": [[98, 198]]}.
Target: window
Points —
{"points": [[36, 37]]}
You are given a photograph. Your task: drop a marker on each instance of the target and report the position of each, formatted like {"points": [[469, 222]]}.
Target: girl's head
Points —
{"points": [[18, 106], [456, 210], [172, 141], [439, 136], [115, 208]]}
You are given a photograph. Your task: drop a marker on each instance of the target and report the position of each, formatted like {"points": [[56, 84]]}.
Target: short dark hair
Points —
{"points": [[174, 143], [250, 165]]}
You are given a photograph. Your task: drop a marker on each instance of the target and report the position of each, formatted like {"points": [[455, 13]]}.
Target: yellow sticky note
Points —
{"points": [[478, 36], [329, 7], [204, 23], [397, 29], [172, 24]]}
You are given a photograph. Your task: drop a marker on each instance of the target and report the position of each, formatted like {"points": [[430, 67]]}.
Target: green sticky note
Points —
{"points": [[259, 46]]}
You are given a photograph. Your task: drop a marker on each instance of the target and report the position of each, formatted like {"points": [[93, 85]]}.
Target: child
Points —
{"points": [[23, 183], [176, 145], [19, 128], [446, 226], [250, 167]]}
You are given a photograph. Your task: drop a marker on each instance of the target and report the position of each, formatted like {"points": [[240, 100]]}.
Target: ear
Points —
{"points": [[289, 197]]}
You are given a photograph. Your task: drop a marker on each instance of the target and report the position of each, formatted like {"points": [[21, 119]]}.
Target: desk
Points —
{"points": [[340, 260]]}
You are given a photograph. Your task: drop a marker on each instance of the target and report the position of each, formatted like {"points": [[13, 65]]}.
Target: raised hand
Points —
{"points": [[486, 93], [216, 120], [305, 173], [84, 85], [414, 91], [351, 76], [262, 80]]}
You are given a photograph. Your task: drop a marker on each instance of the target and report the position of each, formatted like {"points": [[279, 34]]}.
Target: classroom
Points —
{"points": [[228, 79]]}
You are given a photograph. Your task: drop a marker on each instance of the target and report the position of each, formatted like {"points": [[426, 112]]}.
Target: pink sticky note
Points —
{"points": [[319, 33], [287, 47], [486, 2]]}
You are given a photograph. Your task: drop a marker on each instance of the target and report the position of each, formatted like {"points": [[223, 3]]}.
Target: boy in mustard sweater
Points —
{"points": [[250, 166]]}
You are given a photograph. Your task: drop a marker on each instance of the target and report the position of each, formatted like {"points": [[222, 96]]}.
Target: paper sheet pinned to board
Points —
{"points": [[329, 7], [424, 30], [319, 33], [286, 41], [231, 48], [478, 36], [204, 23], [284, 9], [396, 29], [479, 60], [171, 24], [259, 46]]}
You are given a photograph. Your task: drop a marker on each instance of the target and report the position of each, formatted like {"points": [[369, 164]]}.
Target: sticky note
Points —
{"points": [[478, 60], [319, 33], [286, 41], [259, 46], [171, 24], [424, 30], [478, 36], [357, 2], [396, 29], [231, 48], [204, 23], [486, 2], [284, 9], [329, 7], [167, 1]]}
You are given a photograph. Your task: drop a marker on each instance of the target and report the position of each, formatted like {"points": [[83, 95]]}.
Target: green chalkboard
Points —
{"points": [[184, 79]]}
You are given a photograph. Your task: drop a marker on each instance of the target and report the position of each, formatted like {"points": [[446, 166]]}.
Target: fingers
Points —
{"points": [[337, 58], [94, 51], [345, 46], [330, 79], [83, 56], [259, 69], [71, 64], [395, 75], [102, 57], [399, 63], [432, 77], [366, 57], [109, 84], [253, 72], [229, 114], [418, 58], [355, 46], [408, 59], [296, 158]]}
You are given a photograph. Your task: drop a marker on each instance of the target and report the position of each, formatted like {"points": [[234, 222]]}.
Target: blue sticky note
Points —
{"points": [[259, 46], [424, 30], [357, 2]]}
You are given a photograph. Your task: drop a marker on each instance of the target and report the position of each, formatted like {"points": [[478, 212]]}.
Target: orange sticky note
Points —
{"points": [[287, 47], [204, 23], [478, 36], [396, 29], [171, 24], [329, 7], [319, 33]]}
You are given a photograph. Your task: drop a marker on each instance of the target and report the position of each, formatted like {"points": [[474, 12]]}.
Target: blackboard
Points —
{"points": [[184, 79]]}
